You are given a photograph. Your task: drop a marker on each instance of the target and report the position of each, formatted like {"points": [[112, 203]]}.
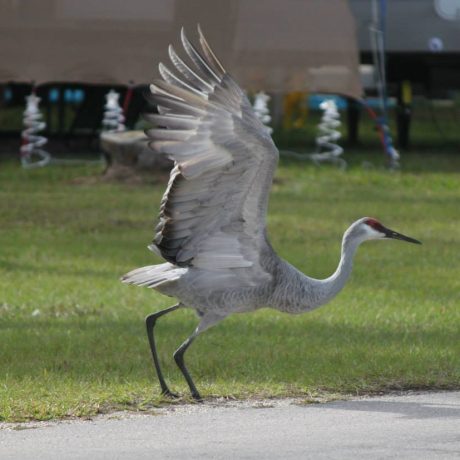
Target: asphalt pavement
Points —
{"points": [[411, 426]]}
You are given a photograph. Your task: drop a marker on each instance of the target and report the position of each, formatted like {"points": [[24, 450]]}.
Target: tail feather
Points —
{"points": [[153, 276]]}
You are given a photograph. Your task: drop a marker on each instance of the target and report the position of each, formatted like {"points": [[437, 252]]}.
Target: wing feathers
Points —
{"points": [[197, 59], [188, 73], [211, 57], [153, 275], [180, 93], [168, 76], [170, 134], [172, 121], [212, 215], [174, 104]]}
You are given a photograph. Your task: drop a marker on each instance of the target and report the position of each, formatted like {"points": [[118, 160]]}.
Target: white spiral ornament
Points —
{"points": [[328, 135], [32, 154], [261, 109], [114, 119]]}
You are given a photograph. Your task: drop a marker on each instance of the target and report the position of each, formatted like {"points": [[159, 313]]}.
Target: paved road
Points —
{"points": [[415, 426]]}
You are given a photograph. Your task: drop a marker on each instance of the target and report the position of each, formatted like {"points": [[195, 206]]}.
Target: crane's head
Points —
{"points": [[368, 228]]}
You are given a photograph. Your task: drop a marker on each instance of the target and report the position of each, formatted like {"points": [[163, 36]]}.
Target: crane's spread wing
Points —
{"points": [[212, 214]]}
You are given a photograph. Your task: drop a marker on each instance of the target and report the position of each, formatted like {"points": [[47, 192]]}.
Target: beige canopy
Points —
{"points": [[274, 45]]}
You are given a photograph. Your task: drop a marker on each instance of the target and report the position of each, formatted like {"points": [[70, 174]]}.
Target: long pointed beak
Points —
{"points": [[398, 236]]}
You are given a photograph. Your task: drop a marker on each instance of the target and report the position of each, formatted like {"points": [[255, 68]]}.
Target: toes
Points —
{"points": [[197, 397], [169, 394]]}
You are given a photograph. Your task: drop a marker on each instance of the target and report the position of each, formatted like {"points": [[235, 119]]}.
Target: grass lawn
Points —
{"points": [[73, 337]]}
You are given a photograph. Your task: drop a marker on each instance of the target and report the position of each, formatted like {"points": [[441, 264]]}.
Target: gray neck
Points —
{"points": [[297, 293], [330, 287]]}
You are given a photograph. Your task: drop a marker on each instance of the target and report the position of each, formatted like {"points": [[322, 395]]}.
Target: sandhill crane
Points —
{"points": [[212, 229]]}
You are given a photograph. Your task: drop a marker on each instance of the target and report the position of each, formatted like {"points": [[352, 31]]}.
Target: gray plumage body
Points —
{"points": [[212, 229], [287, 289]]}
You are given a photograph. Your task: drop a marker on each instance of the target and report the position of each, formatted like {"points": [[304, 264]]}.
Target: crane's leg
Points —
{"points": [[208, 320], [150, 321]]}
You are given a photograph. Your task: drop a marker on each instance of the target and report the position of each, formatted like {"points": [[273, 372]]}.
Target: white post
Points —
{"points": [[328, 135], [261, 109], [32, 141], [114, 119]]}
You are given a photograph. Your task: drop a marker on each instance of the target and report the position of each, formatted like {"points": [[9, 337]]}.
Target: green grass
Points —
{"points": [[72, 336]]}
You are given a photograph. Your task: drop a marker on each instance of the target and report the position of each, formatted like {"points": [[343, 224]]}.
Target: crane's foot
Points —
{"points": [[197, 397], [169, 394]]}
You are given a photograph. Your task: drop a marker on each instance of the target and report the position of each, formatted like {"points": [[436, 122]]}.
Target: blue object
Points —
{"points": [[68, 95], [7, 94], [78, 96], [53, 95], [71, 96]]}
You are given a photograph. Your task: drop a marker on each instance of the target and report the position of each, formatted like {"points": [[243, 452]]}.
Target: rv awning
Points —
{"points": [[274, 45]]}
